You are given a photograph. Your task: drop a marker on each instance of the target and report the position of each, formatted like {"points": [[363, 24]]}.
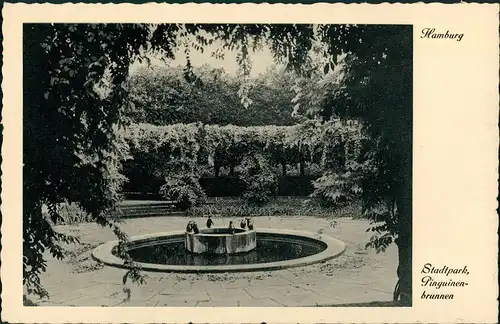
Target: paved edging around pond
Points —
{"points": [[335, 248]]}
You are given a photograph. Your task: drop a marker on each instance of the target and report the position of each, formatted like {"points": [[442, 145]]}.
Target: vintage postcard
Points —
{"points": [[217, 163]]}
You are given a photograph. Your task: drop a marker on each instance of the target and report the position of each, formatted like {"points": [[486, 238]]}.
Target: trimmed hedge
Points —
{"points": [[223, 186], [166, 154], [213, 145], [290, 206], [297, 186]]}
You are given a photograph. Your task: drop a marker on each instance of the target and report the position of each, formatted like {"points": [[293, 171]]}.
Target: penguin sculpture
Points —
{"points": [[243, 224], [231, 227], [210, 222], [249, 224], [189, 227]]}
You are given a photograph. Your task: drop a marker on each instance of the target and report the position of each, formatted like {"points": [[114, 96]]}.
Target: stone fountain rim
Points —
{"points": [[239, 232], [103, 253]]}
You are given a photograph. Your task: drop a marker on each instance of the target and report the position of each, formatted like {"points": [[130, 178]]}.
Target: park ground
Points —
{"points": [[359, 277]]}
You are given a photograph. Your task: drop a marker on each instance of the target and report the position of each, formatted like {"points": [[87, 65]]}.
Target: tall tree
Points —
{"points": [[73, 99], [162, 95], [377, 88], [372, 83]]}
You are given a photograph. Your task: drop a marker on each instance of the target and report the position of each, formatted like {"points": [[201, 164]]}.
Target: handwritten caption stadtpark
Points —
{"points": [[440, 282]]}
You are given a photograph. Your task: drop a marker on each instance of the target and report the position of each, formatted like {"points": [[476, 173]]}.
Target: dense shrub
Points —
{"points": [[260, 178], [181, 182], [70, 214], [311, 141], [233, 186], [276, 206], [176, 155], [185, 190], [227, 186], [344, 186], [296, 185]]}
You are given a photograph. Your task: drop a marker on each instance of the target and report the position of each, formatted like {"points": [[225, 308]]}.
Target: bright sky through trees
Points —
{"points": [[261, 59], [260, 56]]}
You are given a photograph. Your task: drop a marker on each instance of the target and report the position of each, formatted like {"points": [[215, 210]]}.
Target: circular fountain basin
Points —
{"points": [[275, 249], [221, 241]]}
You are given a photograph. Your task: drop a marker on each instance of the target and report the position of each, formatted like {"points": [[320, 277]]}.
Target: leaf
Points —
{"points": [[326, 69], [334, 61], [125, 277], [131, 105]]}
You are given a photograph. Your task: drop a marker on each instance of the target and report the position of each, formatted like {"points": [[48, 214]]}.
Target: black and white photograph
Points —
{"points": [[237, 165]]}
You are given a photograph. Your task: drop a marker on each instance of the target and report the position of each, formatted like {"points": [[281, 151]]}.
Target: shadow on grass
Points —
{"points": [[28, 302], [370, 304]]}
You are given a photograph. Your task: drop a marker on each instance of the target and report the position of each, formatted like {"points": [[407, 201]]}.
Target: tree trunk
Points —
{"points": [[404, 241], [404, 286], [216, 170], [231, 170], [302, 168], [283, 168]]}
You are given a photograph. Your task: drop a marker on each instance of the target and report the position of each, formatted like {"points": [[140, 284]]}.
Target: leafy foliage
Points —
{"points": [[163, 96], [177, 152], [183, 187], [376, 88], [276, 206], [259, 177], [308, 138], [73, 95]]}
